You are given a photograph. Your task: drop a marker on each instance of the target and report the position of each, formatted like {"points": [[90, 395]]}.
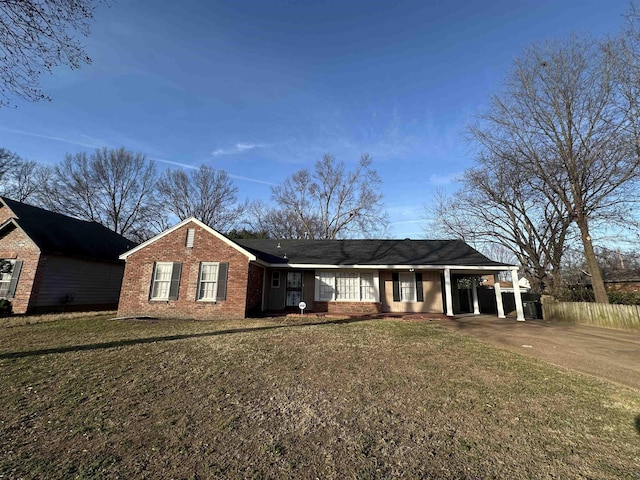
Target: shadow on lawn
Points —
{"points": [[638, 424], [138, 341]]}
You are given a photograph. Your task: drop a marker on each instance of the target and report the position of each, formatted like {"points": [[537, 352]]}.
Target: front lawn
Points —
{"points": [[305, 398]]}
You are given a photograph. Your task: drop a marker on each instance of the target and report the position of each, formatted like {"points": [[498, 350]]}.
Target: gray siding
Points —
{"points": [[69, 282]]}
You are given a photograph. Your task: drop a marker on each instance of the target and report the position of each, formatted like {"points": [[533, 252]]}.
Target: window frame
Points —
{"points": [[275, 279], [154, 282], [216, 282], [409, 282], [328, 288], [9, 277]]}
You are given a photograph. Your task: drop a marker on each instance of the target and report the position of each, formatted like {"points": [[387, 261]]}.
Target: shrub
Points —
{"points": [[624, 298], [5, 307]]}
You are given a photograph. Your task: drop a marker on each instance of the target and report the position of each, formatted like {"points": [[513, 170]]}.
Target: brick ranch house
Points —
{"points": [[193, 271], [51, 262]]}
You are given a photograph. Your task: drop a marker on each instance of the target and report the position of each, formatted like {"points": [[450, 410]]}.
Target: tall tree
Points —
{"points": [[113, 187], [331, 202], [206, 193], [278, 222], [20, 179], [8, 162], [497, 205], [564, 121], [35, 36]]}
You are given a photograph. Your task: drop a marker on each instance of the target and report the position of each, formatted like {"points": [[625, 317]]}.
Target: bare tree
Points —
{"points": [[560, 121], [35, 36], [20, 179], [113, 187], [332, 202], [206, 193], [28, 181], [277, 222], [496, 205], [8, 162]]}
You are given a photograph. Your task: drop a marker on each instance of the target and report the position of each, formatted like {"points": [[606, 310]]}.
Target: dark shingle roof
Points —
{"points": [[368, 252], [55, 233]]}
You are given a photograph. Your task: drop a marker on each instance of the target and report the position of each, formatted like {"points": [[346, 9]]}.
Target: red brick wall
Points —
{"points": [[254, 289], [348, 308], [134, 296], [15, 245]]}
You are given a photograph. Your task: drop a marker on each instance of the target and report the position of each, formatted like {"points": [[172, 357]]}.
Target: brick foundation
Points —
{"points": [[348, 308]]}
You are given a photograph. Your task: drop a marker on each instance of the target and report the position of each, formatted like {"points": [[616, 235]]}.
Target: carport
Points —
{"points": [[452, 272]]}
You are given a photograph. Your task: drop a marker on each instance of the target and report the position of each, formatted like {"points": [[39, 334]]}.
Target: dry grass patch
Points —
{"points": [[30, 319], [298, 398]]}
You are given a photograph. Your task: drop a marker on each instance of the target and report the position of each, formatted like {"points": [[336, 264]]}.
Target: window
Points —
{"points": [[327, 286], [407, 287], [207, 286], [367, 290], [9, 273], [166, 280], [346, 286], [275, 279], [212, 281]]}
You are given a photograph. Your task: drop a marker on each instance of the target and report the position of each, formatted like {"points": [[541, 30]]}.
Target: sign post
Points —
{"points": [[302, 306]]}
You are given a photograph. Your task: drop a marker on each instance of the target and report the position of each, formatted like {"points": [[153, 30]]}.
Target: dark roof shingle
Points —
{"points": [[55, 233], [368, 252]]}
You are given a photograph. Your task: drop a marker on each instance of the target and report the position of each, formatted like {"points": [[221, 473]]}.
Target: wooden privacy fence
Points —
{"points": [[626, 317]]}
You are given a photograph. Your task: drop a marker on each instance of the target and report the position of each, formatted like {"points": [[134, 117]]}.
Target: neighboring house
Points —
{"points": [[51, 262], [193, 271], [507, 287]]}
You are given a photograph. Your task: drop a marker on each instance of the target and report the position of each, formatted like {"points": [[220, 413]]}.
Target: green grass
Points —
{"points": [[275, 398]]}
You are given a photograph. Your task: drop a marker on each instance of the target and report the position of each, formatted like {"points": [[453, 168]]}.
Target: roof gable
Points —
{"points": [[200, 224], [59, 234]]}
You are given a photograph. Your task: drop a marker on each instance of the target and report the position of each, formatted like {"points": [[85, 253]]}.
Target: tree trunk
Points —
{"points": [[597, 282]]}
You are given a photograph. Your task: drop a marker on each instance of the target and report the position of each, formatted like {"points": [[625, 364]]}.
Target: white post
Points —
{"points": [[474, 291], [447, 291], [516, 294], [496, 287]]}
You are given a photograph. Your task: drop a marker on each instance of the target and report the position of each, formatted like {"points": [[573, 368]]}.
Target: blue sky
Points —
{"points": [[264, 88]]}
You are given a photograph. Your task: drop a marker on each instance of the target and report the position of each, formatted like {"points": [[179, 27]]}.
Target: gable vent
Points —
{"points": [[191, 235]]}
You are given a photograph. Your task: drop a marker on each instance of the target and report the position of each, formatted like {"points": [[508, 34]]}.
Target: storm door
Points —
{"points": [[294, 289]]}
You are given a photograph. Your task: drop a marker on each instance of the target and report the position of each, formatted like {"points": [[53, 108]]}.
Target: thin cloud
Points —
{"points": [[178, 164], [55, 138], [237, 148], [193, 167]]}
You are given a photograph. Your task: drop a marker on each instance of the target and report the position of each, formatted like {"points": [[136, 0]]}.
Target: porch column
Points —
{"points": [[474, 292], [447, 292], [496, 288], [516, 294]]}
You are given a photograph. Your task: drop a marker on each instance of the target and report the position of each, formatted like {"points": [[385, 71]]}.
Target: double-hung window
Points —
{"points": [[407, 287], [166, 280], [208, 284], [367, 289], [212, 281], [9, 273]]}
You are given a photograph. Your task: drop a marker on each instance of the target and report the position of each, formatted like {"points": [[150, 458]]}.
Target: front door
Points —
{"points": [[294, 289]]}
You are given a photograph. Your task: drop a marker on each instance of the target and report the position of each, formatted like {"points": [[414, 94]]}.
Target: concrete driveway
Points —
{"points": [[606, 353]]}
